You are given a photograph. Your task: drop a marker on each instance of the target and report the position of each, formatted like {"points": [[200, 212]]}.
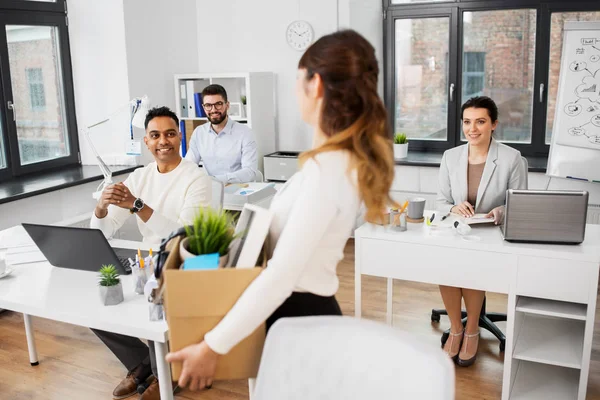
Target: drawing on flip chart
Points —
{"points": [[583, 111]]}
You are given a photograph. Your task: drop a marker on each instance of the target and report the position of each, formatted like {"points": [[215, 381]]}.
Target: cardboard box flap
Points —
{"points": [[205, 293]]}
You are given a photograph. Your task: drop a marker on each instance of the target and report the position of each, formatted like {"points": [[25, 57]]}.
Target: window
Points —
{"points": [[39, 124], [421, 75], [506, 38], [473, 74], [37, 98], [439, 54]]}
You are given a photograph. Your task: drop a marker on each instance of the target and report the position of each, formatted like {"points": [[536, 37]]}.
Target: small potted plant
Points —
{"points": [[111, 290], [400, 146], [211, 232]]}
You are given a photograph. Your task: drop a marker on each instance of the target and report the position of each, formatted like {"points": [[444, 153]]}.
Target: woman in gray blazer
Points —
{"points": [[473, 179]]}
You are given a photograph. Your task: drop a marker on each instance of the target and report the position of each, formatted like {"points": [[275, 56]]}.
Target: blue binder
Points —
{"points": [[199, 109], [183, 138]]}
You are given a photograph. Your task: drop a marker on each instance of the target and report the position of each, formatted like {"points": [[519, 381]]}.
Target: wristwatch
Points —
{"points": [[138, 204]]}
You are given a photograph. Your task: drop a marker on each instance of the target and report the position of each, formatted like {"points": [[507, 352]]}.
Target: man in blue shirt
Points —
{"points": [[226, 147]]}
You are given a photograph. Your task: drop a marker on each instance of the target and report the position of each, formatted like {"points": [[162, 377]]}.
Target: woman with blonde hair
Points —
{"points": [[351, 163]]}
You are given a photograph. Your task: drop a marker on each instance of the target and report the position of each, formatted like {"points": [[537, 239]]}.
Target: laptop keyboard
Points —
{"points": [[125, 264]]}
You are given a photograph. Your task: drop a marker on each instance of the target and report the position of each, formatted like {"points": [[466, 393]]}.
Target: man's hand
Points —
{"points": [[118, 195], [199, 365], [498, 214]]}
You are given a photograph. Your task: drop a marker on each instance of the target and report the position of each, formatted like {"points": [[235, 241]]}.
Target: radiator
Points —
{"points": [[593, 214]]}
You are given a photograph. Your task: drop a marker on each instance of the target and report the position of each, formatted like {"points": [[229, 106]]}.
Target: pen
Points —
{"points": [[404, 206], [445, 216]]}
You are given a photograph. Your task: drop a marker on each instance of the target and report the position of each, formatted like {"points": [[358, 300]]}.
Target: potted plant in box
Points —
{"points": [[400, 146], [211, 232], [111, 290]]}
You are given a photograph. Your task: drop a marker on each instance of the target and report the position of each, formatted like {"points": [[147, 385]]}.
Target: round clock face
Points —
{"points": [[299, 35]]}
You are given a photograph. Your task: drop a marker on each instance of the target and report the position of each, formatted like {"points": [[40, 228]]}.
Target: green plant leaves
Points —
{"points": [[108, 276], [400, 138], [211, 232]]}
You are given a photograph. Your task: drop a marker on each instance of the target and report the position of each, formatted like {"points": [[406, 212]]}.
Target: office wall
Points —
{"points": [[365, 17], [241, 35], [96, 34], [124, 49], [161, 40]]}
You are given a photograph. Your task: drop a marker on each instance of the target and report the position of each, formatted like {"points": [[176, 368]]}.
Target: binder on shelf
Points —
{"points": [[183, 99], [190, 99], [199, 109], [183, 138]]}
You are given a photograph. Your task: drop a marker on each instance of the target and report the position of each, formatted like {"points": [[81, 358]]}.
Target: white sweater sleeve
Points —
{"points": [[116, 216], [197, 195], [309, 219]]}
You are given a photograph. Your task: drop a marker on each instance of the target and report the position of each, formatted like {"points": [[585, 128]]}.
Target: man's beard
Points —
{"points": [[216, 120]]}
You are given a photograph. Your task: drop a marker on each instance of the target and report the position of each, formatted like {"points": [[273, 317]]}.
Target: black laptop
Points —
{"points": [[78, 248]]}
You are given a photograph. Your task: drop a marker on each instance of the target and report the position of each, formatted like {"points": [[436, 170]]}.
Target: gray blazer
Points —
{"points": [[504, 169]]}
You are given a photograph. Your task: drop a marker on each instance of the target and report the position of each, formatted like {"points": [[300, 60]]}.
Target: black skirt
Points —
{"points": [[304, 305]]}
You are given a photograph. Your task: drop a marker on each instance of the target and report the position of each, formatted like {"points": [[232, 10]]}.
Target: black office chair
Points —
{"points": [[486, 321]]}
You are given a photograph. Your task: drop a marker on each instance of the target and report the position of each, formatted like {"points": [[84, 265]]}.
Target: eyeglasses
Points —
{"points": [[218, 106]]}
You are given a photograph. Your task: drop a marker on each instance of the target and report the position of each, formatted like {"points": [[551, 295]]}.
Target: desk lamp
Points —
{"points": [[138, 108]]}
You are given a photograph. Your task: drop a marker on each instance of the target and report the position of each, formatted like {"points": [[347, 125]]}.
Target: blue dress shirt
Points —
{"points": [[229, 156]]}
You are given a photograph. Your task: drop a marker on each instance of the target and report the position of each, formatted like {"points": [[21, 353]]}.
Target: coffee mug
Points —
{"points": [[416, 207]]}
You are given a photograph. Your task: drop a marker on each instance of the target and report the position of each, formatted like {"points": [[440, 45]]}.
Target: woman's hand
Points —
{"points": [[199, 365], [465, 209], [497, 213]]}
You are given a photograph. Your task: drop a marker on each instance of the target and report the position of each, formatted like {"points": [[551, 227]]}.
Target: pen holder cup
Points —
{"points": [[140, 277], [156, 312]]}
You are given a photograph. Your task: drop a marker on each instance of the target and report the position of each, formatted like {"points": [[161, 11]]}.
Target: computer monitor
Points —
{"points": [[545, 216], [78, 248]]}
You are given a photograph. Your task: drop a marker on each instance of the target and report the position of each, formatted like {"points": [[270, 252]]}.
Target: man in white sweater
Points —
{"points": [[164, 196]]}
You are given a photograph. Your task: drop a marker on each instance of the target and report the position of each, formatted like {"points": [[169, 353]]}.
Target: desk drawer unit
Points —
{"points": [[438, 265], [550, 278]]}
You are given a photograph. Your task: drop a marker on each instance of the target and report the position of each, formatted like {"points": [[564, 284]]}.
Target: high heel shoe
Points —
{"points": [[451, 338], [470, 361]]}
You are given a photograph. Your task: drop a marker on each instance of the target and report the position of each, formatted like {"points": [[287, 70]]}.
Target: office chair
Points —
{"points": [[344, 358], [486, 320]]}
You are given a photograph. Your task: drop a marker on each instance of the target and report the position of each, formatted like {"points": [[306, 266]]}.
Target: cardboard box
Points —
{"points": [[195, 302]]}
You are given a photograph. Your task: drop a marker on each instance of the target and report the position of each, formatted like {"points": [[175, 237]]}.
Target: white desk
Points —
{"points": [[72, 296], [551, 295]]}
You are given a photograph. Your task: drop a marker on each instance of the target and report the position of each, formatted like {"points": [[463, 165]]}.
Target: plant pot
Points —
{"points": [[184, 253], [111, 295], [400, 150]]}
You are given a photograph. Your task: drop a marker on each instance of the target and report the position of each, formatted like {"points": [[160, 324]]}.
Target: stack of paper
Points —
{"points": [[478, 219], [18, 246]]}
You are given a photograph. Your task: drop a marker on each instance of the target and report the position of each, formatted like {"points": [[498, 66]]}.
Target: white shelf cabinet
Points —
{"points": [[552, 308], [544, 382], [549, 340], [550, 349], [259, 112]]}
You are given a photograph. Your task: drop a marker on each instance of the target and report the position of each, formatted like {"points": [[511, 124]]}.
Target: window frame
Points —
{"points": [[26, 16], [543, 8]]}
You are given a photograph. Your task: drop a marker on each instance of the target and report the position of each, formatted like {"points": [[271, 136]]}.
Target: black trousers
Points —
{"points": [[129, 350], [304, 305]]}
